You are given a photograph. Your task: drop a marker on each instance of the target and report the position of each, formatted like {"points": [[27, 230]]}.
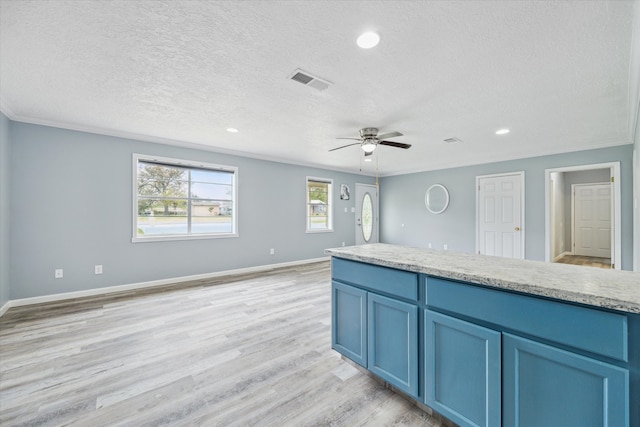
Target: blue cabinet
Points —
{"points": [[462, 370], [393, 342], [487, 357], [349, 322], [547, 386], [375, 321]]}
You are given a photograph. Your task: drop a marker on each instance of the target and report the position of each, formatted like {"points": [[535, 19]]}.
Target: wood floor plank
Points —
{"points": [[246, 350]]}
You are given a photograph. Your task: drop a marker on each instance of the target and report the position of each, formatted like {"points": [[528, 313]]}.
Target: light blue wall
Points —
{"points": [[402, 202], [71, 201], [636, 211], [5, 154]]}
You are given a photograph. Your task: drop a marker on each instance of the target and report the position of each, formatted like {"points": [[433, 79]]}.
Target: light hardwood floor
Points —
{"points": [[586, 261], [236, 351]]}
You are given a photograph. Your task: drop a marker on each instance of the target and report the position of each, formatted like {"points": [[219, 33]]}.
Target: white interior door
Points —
{"points": [[592, 220], [500, 215], [366, 214]]}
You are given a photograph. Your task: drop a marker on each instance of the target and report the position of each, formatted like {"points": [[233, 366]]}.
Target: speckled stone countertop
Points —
{"points": [[613, 289]]}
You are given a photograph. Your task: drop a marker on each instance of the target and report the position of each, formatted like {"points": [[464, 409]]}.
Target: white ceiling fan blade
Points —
{"points": [[345, 146], [389, 135]]}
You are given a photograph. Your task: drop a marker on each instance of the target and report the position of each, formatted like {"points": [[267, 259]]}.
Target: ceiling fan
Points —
{"points": [[369, 140]]}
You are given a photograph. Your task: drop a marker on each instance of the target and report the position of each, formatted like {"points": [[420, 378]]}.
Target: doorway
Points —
{"points": [[366, 214], [582, 214], [500, 215]]}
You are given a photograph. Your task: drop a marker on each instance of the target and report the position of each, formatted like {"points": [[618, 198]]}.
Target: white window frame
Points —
{"points": [[329, 228], [185, 164]]}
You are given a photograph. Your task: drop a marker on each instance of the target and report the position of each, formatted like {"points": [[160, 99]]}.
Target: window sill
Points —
{"points": [[150, 239]]}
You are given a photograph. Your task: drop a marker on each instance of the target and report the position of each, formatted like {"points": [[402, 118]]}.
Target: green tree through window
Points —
{"points": [[178, 199]]}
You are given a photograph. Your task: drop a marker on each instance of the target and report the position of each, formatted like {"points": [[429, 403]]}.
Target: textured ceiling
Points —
{"points": [[558, 74]]}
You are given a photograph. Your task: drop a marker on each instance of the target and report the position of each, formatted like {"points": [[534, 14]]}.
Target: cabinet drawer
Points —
{"points": [[386, 280], [595, 331]]}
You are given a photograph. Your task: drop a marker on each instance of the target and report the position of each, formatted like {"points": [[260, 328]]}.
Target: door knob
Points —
{"points": [[517, 228]]}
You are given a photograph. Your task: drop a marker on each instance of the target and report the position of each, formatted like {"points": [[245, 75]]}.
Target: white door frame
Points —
{"points": [[358, 210], [522, 198], [616, 221]]}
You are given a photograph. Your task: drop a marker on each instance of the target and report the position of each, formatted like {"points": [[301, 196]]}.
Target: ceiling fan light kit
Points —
{"points": [[368, 145]]}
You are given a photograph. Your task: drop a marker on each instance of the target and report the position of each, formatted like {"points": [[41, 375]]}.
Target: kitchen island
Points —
{"points": [[488, 341]]}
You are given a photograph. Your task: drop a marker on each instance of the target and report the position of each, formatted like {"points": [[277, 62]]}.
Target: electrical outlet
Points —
{"points": [[98, 269], [59, 273], [445, 247], [429, 245], [342, 243], [272, 251]]}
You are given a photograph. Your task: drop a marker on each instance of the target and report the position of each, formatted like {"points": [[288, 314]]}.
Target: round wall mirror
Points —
{"points": [[436, 198]]}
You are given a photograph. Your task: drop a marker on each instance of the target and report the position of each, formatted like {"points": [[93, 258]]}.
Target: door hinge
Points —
{"points": [[613, 266], [612, 179]]}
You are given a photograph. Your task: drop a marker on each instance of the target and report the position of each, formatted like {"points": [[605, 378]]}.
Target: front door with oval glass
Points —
{"points": [[366, 214]]}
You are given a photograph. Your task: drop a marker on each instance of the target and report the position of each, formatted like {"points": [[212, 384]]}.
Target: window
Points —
{"points": [[177, 199], [319, 208]]}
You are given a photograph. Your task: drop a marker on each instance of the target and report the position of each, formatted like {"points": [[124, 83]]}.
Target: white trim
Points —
{"points": [[141, 285], [523, 228], [203, 146], [561, 255], [7, 305], [187, 164], [614, 167]]}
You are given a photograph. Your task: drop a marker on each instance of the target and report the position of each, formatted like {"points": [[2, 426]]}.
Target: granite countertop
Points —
{"points": [[612, 289]]}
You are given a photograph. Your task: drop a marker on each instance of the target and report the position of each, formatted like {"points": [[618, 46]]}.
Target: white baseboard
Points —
{"points": [[5, 307], [119, 288], [561, 255]]}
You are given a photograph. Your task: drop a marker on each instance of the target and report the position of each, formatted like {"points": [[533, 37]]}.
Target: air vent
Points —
{"points": [[310, 80], [452, 140]]}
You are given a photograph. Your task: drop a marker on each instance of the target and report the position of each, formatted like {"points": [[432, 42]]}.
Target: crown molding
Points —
{"points": [[6, 109]]}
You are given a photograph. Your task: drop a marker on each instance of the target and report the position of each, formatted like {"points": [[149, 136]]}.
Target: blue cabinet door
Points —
{"points": [[462, 370], [393, 342], [546, 386], [349, 322]]}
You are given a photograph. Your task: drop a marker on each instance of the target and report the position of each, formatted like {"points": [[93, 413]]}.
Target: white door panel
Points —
{"points": [[592, 220], [366, 214], [500, 215]]}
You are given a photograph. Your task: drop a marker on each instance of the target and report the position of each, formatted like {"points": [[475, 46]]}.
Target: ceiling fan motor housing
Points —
{"points": [[368, 132]]}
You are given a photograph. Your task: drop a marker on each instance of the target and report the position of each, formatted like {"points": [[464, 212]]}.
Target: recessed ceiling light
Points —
{"points": [[232, 130], [502, 131], [368, 40]]}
